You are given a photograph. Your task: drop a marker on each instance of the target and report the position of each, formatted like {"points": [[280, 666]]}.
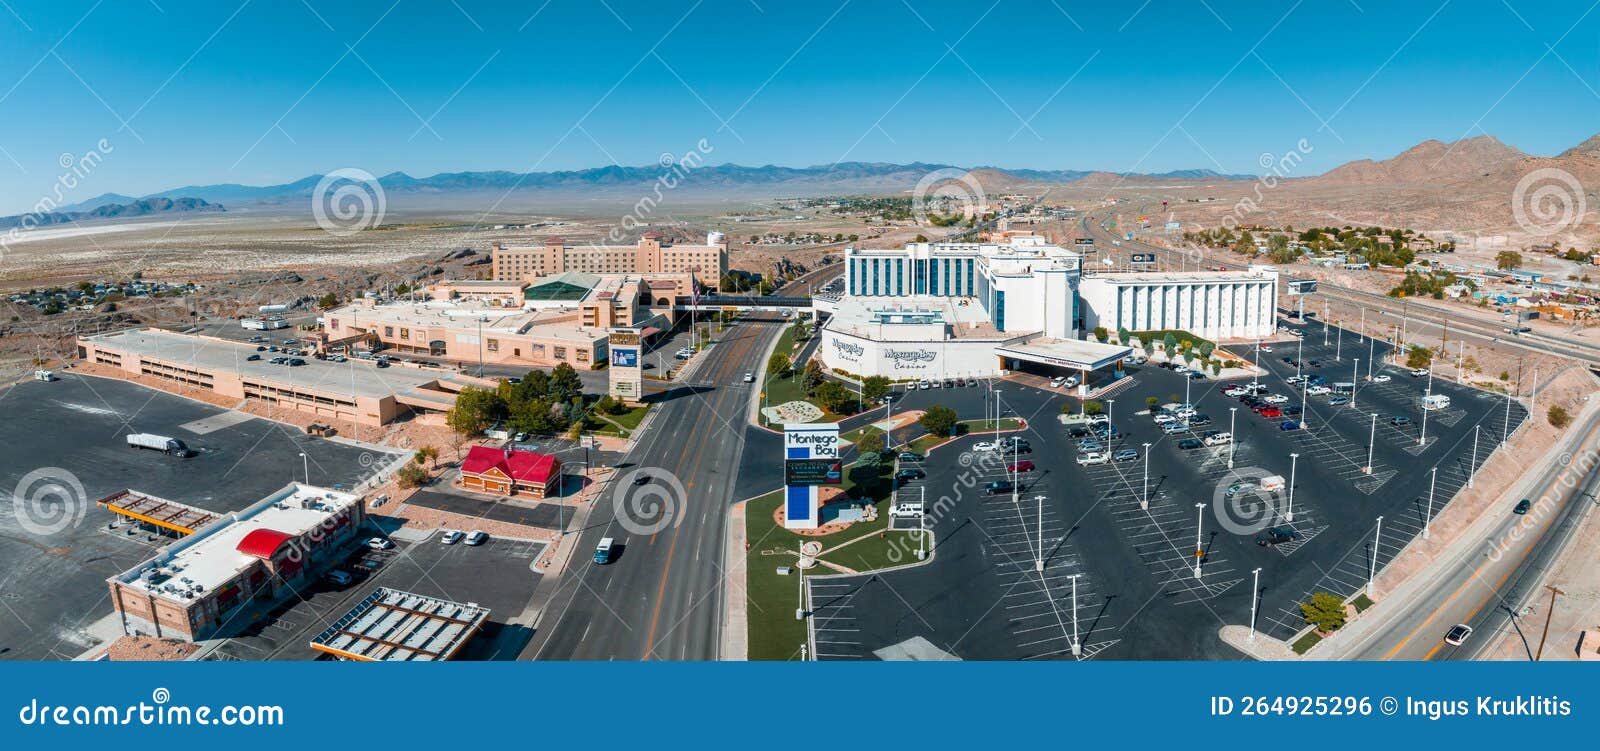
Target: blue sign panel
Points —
{"points": [[797, 503], [624, 357]]}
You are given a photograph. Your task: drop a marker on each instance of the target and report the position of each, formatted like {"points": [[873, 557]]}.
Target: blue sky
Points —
{"points": [[269, 91]]}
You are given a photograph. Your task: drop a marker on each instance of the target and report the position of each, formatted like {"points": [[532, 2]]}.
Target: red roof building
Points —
{"points": [[509, 471]]}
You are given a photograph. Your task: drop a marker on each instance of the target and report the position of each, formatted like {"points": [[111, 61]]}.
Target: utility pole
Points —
{"points": [[1548, 613], [1199, 549], [1461, 359], [1372, 440]]}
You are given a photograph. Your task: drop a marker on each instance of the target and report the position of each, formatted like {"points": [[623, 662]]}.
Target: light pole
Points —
{"points": [[1372, 354], [1505, 428], [1355, 377], [800, 583], [1338, 344], [1077, 647], [1144, 499], [1305, 391], [1199, 550], [1372, 440], [1461, 359], [1472, 474], [1324, 321], [1372, 564], [1427, 522], [1255, 594], [307, 462], [1109, 424], [1422, 439], [1233, 417], [1038, 559], [922, 539], [1299, 355], [1294, 463]]}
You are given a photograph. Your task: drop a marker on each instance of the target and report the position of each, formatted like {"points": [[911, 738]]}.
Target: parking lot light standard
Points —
{"points": [[1305, 391], [1372, 440], [1038, 558], [1338, 343], [1200, 522], [306, 461], [1355, 377], [1427, 521], [1472, 474], [1294, 462], [1372, 562], [1255, 594], [1144, 498], [1077, 646], [1233, 416]]}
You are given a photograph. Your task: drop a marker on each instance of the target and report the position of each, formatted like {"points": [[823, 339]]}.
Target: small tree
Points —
{"points": [[411, 476], [1419, 357], [939, 420], [778, 365], [1324, 610], [1151, 402], [874, 388], [1148, 345], [871, 442], [1169, 344], [1094, 408], [1216, 368], [1101, 334], [1558, 417], [428, 455], [812, 376], [1507, 260], [1122, 336]]}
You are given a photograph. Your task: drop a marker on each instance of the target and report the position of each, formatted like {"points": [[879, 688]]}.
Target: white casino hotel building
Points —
{"points": [[936, 310]]}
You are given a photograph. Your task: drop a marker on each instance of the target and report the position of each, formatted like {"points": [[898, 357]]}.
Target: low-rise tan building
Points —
{"points": [[707, 263], [342, 392], [473, 333]]}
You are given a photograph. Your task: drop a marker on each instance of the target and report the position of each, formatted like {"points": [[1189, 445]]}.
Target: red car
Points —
{"points": [[1021, 465], [1271, 412]]}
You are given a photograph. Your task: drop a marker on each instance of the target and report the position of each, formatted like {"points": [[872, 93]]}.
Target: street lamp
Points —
{"points": [[1294, 463], [1427, 521], [304, 460], [1200, 521], [1472, 474], [1422, 439], [1255, 594], [1355, 377], [1338, 344], [1372, 441], [1144, 499]]}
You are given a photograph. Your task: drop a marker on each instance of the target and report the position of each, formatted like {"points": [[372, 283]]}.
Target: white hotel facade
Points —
{"points": [[936, 310]]}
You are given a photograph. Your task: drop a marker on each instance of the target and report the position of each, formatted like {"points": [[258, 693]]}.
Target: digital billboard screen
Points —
{"points": [[624, 358], [813, 472]]}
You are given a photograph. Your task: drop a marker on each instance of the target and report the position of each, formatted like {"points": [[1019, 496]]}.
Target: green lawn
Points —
{"points": [[1300, 645], [774, 633], [987, 426], [789, 387], [1361, 602]]}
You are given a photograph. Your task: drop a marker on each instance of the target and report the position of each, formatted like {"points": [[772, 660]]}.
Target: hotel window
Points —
{"points": [[493, 345], [970, 264], [933, 283], [405, 333], [561, 353], [583, 355], [388, 332], [921, 271]]}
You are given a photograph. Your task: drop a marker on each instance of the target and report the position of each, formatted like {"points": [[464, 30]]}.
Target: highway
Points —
{"points": [[1460, 324], [661, 598], [1484, 584]]}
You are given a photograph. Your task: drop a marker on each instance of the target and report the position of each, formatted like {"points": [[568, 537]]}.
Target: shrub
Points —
{"points": [[1558, 417], [412, 476], [939, 420], [1324, 610]]}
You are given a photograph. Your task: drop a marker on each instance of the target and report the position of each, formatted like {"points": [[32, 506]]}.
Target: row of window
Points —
{"points": [[900, 277]]}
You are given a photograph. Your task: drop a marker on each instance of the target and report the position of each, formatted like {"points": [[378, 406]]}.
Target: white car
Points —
{"points": [[924, 385], [1319, 390], [1418, 372], [1094, 457], [1266, 348], [477, 537], [379, 543], [749, 377], [1380, 379], [450, 537], [1275, 399], [1185, 412], [1163, 418], [986, 446], [1294, 380], [1058, 382], [1234, 391], [1219, 439]]}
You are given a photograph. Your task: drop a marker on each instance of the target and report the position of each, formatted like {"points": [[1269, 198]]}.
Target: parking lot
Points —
{"points": [[497, 574], [1134, 542], [55, 555]]}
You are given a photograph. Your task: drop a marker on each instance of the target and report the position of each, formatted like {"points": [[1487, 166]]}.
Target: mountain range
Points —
{"points": [[134, 207]]}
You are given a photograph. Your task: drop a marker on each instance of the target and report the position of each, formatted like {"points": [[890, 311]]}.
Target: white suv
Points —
{"points": [[1219, 439], [1094, 457], [908, 510]]}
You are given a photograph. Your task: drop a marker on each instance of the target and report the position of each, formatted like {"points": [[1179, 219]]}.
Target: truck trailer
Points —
{"points": [[171, 446]]}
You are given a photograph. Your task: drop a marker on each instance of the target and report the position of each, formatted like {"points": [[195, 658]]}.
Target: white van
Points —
{"points": [[1272, 483], [1435, 401]]}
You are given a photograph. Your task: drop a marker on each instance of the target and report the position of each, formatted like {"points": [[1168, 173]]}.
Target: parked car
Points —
{"points": [[339, 578], [1058, 382], [1338, 401], [379, 543], [253, 358], [909, 473], [1021, 465], [1125, 455], [910, 456], [1418, 372], [1289, 425], [1163, 418], [1199, 419], [477, 537], [996, 487], [1291, 410], [1174, 428], [1277, 536], [1238, 488], [1522, 506], [906, 510], [1399, 420], [1093, 457], [1218, 438], [450, 537], [1381, 379], [1275, 399], [1458, 634], [1190, 444], [1271, 412], [986, 446], [1318, 390], [1090, 445]]}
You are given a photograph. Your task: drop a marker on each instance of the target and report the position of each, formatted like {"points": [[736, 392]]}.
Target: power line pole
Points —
{"points": [[1548, 613]]}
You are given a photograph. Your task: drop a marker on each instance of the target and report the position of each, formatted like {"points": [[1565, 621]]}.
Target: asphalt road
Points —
{"points": [[661, 597]]}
